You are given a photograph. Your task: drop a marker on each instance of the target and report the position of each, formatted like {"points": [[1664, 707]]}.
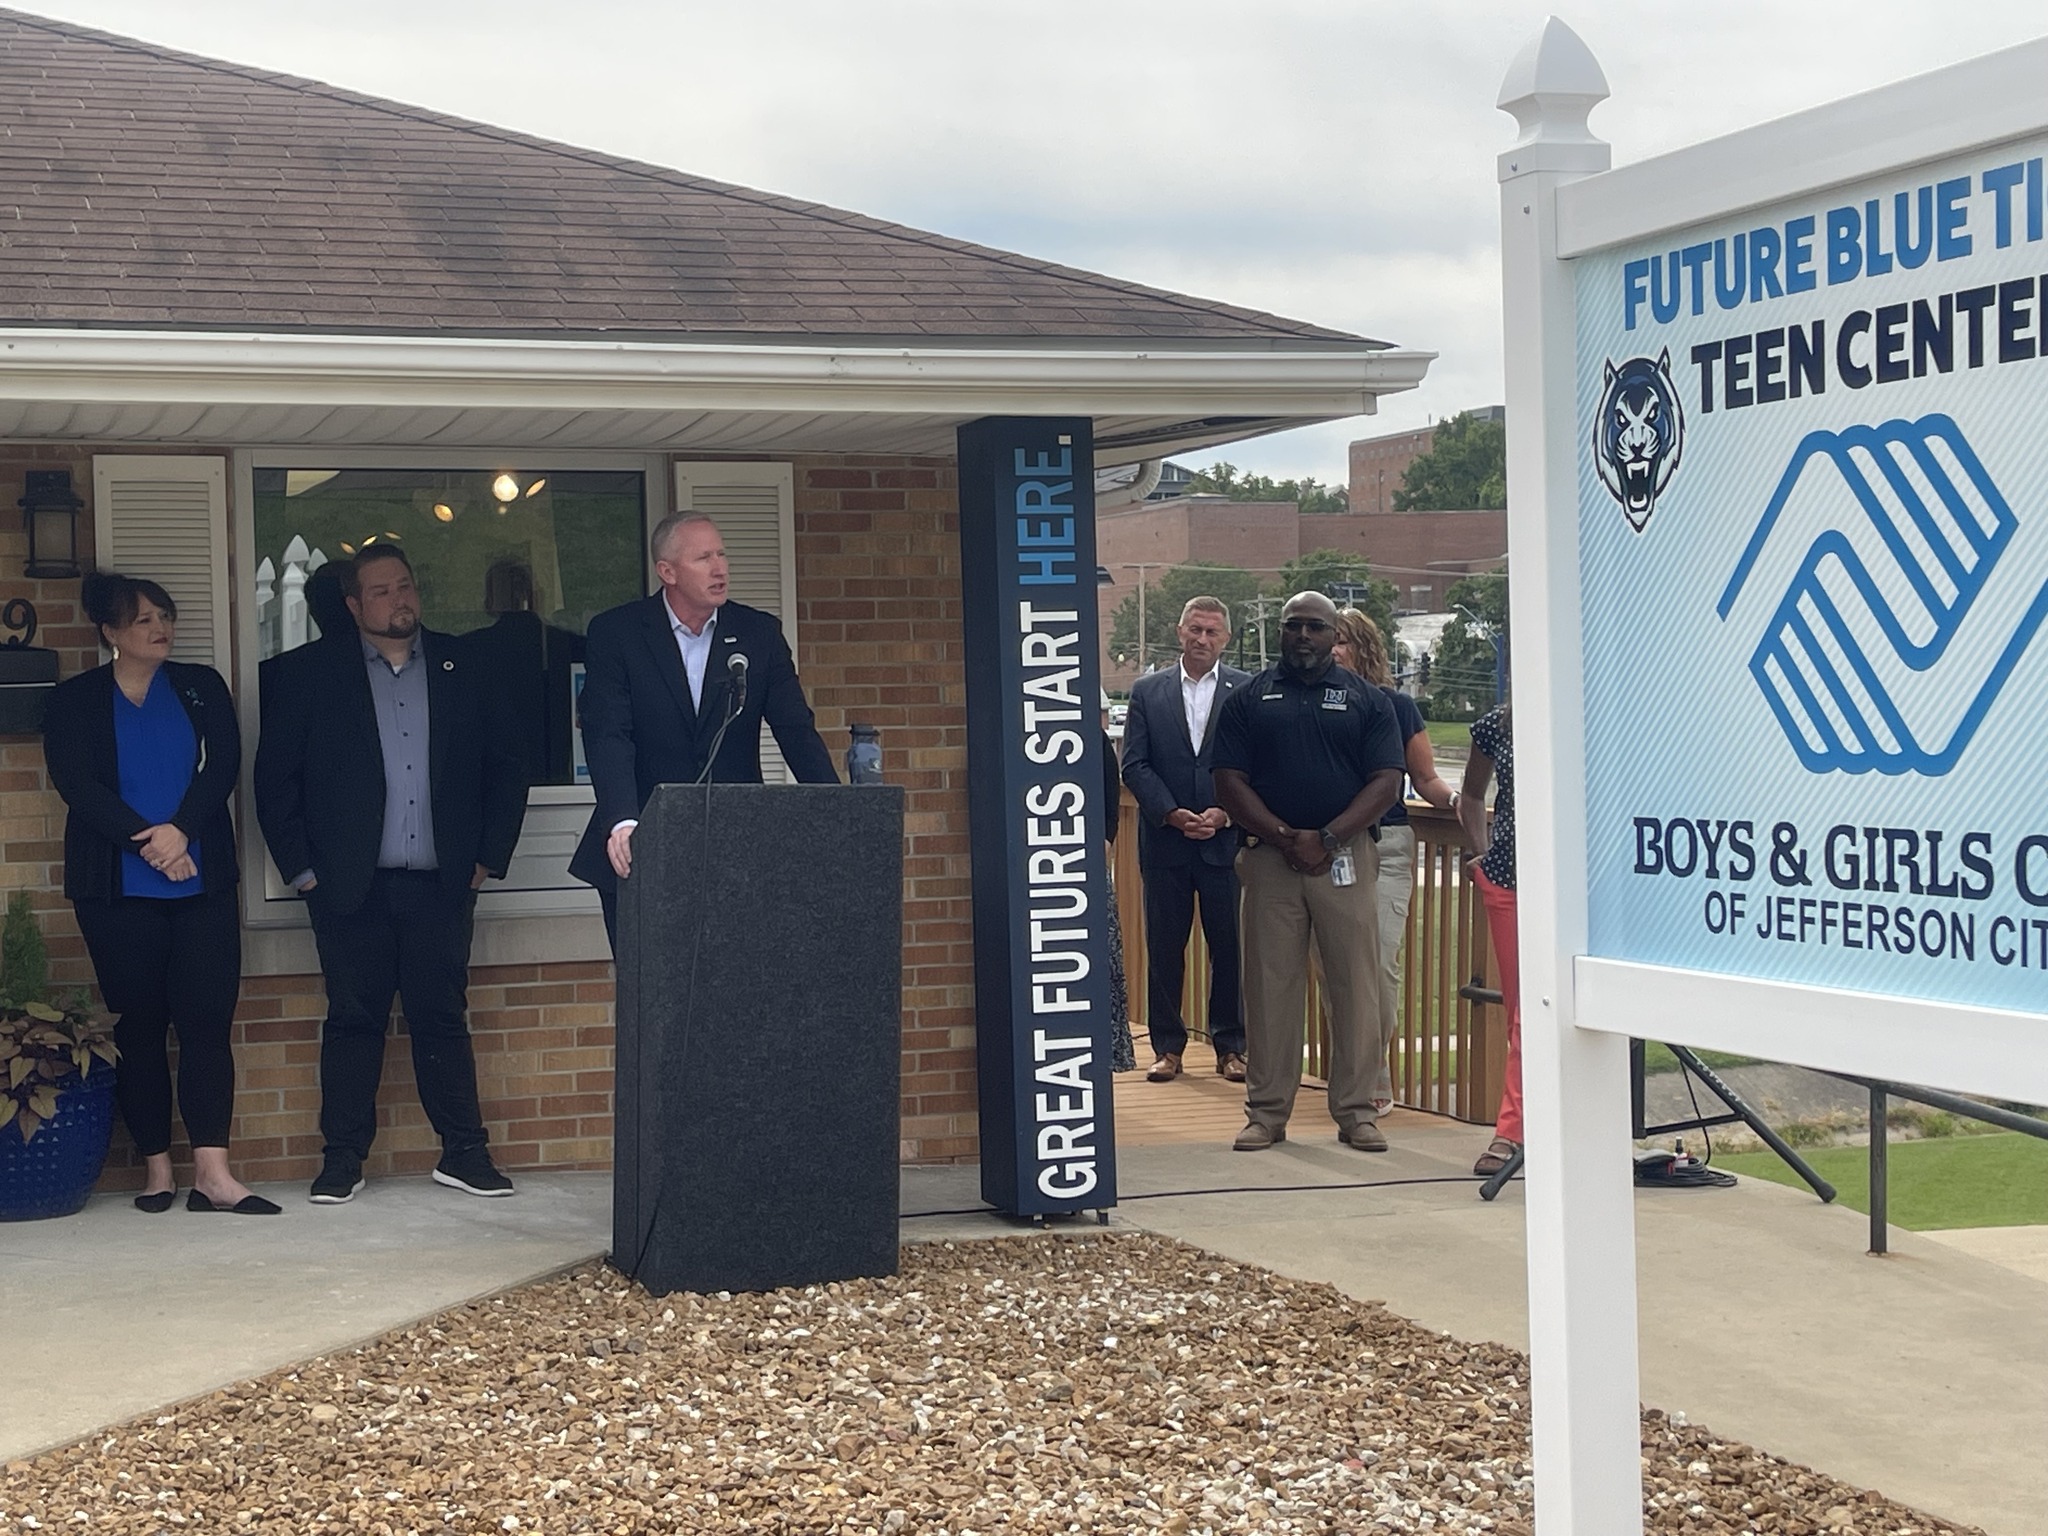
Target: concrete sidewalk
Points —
{"points": [[138, 1312], [1919, 1374]]}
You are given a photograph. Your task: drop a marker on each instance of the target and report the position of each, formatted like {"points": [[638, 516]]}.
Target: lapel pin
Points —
{"points": [[447, 666]]}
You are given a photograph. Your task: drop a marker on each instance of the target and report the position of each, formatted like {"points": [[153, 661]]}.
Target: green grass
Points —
{"points": [[1999, 1180], [1452, 734], [1658, 1058]]}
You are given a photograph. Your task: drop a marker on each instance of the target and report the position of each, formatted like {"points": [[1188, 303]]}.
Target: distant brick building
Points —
{"points": [[1423, 553], [1378, 463]]}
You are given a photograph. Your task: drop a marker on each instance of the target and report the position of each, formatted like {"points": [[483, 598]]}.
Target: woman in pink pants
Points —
{"points": [[1493, 754]]}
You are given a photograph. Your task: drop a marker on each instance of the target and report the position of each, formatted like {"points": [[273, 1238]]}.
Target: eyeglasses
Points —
{"points": [[1310, 626]]}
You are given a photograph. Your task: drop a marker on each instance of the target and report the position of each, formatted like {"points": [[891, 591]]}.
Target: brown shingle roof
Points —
{"points": [[144, 187]]}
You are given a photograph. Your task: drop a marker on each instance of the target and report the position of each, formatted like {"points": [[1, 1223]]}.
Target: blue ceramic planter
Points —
{"points": [[54, 1174]]}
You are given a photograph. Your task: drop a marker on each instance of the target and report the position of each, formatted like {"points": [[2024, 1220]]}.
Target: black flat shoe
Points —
{"points": [[158, 1203], [248, 1205]]}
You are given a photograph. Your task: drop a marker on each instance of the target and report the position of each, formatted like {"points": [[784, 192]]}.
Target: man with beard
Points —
{"points": [[388, 792], [1308, 758]]}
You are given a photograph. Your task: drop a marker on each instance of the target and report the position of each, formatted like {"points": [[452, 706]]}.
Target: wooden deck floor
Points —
{"points": [[1199, 1106]]}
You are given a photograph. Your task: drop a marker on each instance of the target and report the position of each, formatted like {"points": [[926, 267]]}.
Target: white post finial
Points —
{"points": [[1552, 87]]}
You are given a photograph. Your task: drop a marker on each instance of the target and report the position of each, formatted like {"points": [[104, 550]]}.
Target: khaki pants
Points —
{"points": [[1396, 889], [1282, 912]]}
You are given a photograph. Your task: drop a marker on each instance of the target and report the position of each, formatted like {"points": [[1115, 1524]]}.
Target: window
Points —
{"points": [[520, 559]]}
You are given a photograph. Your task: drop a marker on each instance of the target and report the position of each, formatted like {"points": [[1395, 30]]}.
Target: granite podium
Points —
{"points": [[760, 979]]}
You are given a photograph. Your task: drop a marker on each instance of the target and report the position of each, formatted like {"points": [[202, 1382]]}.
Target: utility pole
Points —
{"points": [[1141, 567], [1256, 608]]}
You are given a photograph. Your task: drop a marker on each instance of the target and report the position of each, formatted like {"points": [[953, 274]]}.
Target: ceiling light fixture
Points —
{"points": [[537, 487], [505, 488], [444, 512]]}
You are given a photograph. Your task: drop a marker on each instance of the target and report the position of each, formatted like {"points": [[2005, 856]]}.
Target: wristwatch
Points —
{"points": [[1331, 842]]}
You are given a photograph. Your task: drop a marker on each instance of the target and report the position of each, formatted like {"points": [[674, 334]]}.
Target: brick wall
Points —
{"points": [[31, 814], [1430, 550], [543, 1038], [879, 634], [879, 625]]}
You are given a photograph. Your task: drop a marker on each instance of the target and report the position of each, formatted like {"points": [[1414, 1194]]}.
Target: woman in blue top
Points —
{"points": [[145, 752]]}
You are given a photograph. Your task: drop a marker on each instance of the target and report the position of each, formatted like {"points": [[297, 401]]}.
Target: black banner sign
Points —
{"points": [[1036, 793]]}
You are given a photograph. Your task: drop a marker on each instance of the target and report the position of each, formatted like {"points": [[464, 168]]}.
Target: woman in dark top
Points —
{"points": [[1493, 755], [1361, 648], [145, 752]]}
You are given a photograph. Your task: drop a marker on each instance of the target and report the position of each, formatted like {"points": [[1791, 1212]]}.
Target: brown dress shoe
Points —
{"points": [[1366, 1136], [1165, 1069], [1230, 1065], [1256, 1138]]}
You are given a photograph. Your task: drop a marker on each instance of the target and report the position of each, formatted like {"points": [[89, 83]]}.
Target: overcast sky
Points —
{"points": [[1330, 160]]}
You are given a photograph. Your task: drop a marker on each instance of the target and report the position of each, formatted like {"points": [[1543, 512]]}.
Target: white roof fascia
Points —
{"points": [[1966, 106], [95, 366]]}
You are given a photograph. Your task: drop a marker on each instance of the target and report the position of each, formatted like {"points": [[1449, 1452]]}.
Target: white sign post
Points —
{"points": [[1778, 523]]}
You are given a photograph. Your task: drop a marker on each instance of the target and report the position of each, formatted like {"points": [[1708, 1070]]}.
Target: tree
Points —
{"points": [[1307, 493], [1164, 600], [1466, 469], [1462, 673]]}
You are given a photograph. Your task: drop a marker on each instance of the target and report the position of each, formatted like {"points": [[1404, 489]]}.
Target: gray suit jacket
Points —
{"points": [[1166, 773]]}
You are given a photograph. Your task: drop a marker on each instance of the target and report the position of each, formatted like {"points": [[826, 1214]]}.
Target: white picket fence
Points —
{"points": [[282, 620]]}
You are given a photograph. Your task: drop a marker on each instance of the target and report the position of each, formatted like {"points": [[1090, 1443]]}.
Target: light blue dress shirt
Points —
{"points": [[401, 700]]}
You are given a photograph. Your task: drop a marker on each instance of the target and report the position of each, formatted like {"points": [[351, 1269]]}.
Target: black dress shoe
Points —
{"points": [[158, 1203], [248, 1205]]}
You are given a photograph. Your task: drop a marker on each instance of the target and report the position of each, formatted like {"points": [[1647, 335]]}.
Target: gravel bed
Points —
{"points": [[1114, 1383]]}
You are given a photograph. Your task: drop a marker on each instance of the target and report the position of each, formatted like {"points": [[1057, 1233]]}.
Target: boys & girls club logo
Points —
{"points": [[1895, 612]]}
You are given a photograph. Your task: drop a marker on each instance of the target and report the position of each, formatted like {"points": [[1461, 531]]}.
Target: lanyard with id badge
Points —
{"points": [[1343, 868]]}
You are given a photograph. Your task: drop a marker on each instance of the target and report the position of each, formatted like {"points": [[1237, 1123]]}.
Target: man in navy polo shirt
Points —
{"points": [[1308, 758]]}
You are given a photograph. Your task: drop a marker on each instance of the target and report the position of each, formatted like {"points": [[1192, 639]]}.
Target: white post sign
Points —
{"points": [[1778, 469]]}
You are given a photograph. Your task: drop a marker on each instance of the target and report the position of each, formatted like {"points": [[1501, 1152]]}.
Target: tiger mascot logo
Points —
{"points": [[1638, 434]]}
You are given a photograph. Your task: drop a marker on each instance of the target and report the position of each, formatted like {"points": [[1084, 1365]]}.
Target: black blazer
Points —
{"points": [[320, 770], [640, 728], [78, 749], [1165, 772]]}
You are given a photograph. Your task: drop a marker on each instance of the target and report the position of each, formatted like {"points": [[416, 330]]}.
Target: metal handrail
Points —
{"points": [[1881, 1092]]}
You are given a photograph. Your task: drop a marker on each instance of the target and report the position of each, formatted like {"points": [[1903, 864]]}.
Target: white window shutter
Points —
{"points": [[754, 506], [165, 517]]}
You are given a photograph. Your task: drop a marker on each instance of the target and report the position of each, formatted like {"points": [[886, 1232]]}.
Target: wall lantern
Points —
{"points": [[50, 514]]}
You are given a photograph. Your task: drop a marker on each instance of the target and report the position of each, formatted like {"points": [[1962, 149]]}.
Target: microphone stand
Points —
{"points": [[734, 703]]}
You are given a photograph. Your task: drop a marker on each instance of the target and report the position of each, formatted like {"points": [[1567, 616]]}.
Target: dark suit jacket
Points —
{"points": [[640, 728], [320, 770], [78, 749], [1166, 773]]}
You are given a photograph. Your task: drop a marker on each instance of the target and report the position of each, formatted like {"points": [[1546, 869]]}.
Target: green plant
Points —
{"points": [[24, 960], [44, 1045]]}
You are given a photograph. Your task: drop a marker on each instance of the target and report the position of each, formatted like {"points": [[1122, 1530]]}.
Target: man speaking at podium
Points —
{"points": [[663, 676]]}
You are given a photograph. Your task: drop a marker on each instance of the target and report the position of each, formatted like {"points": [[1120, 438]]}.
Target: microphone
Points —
{"points": [[736, 669]]}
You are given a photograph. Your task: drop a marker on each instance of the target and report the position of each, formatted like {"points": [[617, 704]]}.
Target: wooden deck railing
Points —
{"points": [[1448, 1054]]}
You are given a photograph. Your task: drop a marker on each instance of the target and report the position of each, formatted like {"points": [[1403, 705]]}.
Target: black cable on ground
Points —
{"points": [[1243, 1189]]}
